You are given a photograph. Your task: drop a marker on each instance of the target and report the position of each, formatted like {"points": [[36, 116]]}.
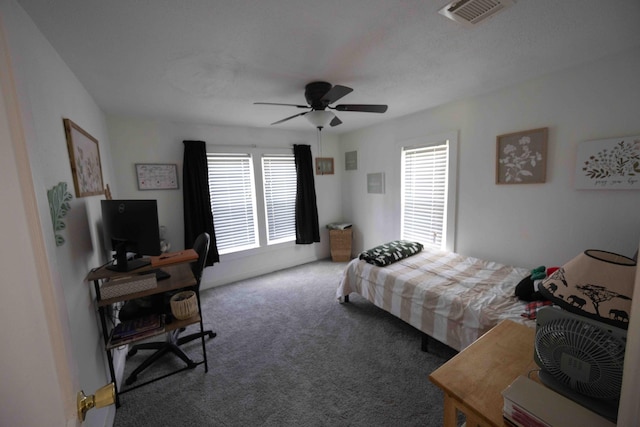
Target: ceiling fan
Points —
{"points": [[319, 95]]}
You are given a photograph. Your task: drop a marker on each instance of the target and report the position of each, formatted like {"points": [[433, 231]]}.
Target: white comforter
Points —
{"points": [[450, 297]]}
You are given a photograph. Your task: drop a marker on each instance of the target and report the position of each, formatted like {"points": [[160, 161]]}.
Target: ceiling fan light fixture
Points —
{"points": [[319, 118]]}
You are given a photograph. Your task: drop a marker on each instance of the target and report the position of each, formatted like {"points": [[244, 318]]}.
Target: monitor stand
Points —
{"points": [[124, 264]]}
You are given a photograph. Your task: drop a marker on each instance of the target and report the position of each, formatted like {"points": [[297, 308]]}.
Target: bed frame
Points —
{"points": [[448, 297]]}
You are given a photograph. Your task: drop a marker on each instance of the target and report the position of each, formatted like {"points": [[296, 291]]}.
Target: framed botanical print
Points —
{"points": [[521, 157], [84, 155], [608, 164]]}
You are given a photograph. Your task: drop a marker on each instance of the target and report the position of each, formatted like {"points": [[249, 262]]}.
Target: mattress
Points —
{"points": [[452, 298]]}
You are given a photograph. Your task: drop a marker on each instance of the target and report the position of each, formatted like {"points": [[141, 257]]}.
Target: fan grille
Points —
{"points": [[582, 356]]}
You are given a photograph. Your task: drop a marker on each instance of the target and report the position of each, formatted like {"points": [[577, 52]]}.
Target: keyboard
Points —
{"points": [[160, 274]]}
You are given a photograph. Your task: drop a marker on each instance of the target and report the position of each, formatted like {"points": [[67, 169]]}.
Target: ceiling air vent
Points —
{"points": [[471, 12]]}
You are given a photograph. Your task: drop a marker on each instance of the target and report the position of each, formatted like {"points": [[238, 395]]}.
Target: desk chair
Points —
{"points": [[173, 339]]}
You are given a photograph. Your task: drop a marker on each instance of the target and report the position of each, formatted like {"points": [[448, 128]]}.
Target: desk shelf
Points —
{"points": [[180, 278], [175, 324]]}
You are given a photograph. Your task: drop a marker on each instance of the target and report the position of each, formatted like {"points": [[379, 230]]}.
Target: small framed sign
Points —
{"points": [[157, 176], [375, 183], [324, 165], [351, 160]]}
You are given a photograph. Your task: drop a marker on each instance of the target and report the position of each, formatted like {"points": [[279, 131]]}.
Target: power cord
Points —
{"points": [[103, 265], [532, 371]]}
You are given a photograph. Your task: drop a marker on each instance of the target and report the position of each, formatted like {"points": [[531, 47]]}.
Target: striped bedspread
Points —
{"points": [[450, 297]]}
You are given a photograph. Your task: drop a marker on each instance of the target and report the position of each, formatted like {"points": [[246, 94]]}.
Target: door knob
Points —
{"points": [[104, 396]]}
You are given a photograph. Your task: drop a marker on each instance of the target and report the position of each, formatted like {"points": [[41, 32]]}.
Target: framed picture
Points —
{"points": [[521, 157], [84, 156], [608, 164], [324, 165], [157, 176], [351, 160], [375, 183]]}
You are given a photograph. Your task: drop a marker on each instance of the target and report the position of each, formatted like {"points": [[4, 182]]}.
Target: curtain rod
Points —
{"points": [[251, 146]]}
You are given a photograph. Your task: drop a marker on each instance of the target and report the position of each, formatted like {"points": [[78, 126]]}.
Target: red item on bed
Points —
{"points": [[531, 309]]}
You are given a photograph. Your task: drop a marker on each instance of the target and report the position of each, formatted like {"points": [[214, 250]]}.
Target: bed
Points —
{"points": [[449, 297]]}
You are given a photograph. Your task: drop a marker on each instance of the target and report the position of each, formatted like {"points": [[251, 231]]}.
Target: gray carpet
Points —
{"points": [[288, 354]]}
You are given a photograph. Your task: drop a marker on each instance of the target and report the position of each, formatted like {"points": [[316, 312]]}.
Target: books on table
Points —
{"points": [[531, 404], [136, 329]]}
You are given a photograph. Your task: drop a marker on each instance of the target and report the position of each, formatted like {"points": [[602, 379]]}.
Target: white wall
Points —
{"points": [[47, 92], [525, 225], [136, 140]]}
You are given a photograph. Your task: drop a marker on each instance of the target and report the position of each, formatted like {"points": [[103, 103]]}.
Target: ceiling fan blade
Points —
{"points": [[289, 118], [335, 122], [335, 93], [276, 103], [364, 108]]}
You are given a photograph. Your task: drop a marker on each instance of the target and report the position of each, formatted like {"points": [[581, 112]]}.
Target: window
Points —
{"points": [[233, 201], [279, 182], [428, 199], [240, 222]]}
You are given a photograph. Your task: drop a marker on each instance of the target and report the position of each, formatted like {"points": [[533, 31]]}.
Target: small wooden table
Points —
{"points": [[473, 380]]}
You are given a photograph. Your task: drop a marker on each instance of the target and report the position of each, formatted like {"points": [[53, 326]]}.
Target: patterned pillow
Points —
{"points": [[390, 252]]}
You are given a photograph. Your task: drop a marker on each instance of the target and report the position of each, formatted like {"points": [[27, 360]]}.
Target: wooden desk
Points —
{"points": [[162, 261], [181, 277], [473, 380]]}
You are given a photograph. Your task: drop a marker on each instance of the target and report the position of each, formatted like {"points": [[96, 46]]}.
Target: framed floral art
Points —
{"points": [[608, 164], [521, 157], [84, 155]]}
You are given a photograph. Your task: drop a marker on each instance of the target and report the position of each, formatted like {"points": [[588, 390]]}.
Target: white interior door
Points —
{"points": [[39, 383]]}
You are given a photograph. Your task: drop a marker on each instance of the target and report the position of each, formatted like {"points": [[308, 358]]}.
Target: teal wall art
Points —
{"points": [[59, 199]]}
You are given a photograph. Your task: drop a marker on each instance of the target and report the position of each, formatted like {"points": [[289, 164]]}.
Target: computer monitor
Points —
{"points": [[131, 226]]}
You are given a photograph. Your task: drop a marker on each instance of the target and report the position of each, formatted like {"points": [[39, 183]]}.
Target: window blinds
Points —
{"points": [[233, 201], [424, 194], [279, 173]]}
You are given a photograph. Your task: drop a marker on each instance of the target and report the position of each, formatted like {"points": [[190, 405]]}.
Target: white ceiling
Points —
{"points": [[207, 61]]}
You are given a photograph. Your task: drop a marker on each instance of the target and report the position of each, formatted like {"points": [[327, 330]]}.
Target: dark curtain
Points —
{"points": [[307, 228], [198, 217]]}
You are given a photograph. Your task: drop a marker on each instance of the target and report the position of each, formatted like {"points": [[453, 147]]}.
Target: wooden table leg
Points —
{"points": [[473, 420], [450, 416], [451, 409]]}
